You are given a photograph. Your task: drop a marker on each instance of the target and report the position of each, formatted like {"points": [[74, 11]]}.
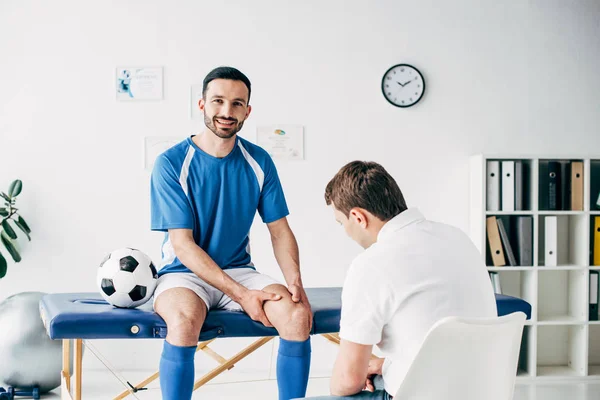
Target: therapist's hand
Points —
{"points": [[375, 368]]}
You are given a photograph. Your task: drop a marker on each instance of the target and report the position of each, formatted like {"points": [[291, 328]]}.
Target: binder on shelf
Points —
{"points": [[508, 186], [512, 261], [565, 186], [551, 241], [495, 278], [594, 185], [596, 246], [495, 242], [577, 186], [493, 186], [519, 186], [593, 315], [554, 185], [524, 239]]}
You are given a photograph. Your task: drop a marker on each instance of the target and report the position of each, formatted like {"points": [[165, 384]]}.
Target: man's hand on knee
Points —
{"points": [[298, 294], [252, 303]]}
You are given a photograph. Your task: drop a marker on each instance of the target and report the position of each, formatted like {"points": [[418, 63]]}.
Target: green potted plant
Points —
{"points": [[7, 233]]}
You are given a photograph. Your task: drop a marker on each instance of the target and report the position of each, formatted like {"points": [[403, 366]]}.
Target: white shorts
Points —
{"points": [[213, 297]]}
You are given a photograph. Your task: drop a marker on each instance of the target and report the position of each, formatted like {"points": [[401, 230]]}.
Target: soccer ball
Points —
{"points": [[127, 278]]}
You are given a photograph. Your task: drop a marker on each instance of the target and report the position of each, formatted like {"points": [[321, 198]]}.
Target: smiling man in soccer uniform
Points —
{"points": [[205, 192]]}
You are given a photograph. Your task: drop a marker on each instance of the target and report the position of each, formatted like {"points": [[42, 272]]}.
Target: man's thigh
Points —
{"points": [[250, 279], [209, 295]]}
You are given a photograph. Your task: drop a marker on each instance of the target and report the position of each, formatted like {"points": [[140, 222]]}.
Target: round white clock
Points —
{"points": [[403, 85]]}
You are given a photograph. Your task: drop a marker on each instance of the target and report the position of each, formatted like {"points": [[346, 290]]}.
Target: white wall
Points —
{"points": [[508, 77]]}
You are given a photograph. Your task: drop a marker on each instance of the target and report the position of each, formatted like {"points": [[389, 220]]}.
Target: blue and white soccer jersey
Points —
{"points": [[217, 198]]}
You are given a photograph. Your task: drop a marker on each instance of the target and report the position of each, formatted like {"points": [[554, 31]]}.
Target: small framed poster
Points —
{"points": [[139, 83], [282, 142]]}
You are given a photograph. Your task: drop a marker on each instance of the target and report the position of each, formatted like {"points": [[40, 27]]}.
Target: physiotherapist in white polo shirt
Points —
{"points": [[412, 273]]}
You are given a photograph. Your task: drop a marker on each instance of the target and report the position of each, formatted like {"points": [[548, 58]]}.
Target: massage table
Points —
{"points": [[74, 317]]}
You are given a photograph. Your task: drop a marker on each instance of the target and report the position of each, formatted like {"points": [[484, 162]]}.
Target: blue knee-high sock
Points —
{"points": [[293, 366], [177, 372]]}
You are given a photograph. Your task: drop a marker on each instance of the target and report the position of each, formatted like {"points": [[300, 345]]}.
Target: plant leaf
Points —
{"points": [[15, 188], [10, 247], [8, 229], [5, 196], [3, 212], [2, 266], [24, 224], [21, 227]]}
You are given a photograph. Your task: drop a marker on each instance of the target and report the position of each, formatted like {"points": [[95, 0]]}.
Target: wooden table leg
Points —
{"points": [[65, 374], [78, 356]]}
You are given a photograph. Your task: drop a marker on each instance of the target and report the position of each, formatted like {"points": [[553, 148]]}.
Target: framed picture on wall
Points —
{"points": [[139, 83], [282, 142]]}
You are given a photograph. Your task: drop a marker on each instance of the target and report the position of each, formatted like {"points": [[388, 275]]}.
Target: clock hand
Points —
{"points": [[406, 83], [400, 84]]}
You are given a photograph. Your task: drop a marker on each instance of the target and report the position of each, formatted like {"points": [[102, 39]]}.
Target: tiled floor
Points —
{"points": [[99, 386]]}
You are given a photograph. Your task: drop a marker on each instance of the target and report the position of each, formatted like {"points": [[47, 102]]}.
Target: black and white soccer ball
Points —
{"points": [[127, 278]]}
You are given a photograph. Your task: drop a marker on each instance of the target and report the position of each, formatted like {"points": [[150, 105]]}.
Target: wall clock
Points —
{"points": [[403, 85]]}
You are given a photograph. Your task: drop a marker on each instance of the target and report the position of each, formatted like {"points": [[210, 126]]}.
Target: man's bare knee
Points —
{"points": [[184, 312], [183, 330], [293, 321], [301, 320]]}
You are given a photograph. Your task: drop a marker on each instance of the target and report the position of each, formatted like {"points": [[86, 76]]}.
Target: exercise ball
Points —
{"points": [[28, 357]]}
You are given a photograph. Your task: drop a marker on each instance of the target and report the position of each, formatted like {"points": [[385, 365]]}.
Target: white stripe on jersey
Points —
{"points": [[185, 169], [260, 175], [168, 253]]}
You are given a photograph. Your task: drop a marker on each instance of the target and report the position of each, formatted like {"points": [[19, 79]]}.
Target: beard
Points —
{"points": [[223, 133]]}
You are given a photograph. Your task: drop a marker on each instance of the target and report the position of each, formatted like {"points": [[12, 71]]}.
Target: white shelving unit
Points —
{"points": [[559, 342]]}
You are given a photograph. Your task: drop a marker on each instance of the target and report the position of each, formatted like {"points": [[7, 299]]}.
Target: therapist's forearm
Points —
{"points": [[285, 248], [200, 263]]}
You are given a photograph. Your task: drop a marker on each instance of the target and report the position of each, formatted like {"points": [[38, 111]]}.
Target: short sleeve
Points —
{"points": [[363, 306], [169, 205], [272, 205]]}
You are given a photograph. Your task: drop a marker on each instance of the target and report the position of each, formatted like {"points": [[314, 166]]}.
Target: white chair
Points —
{"points": [[466, 359]]}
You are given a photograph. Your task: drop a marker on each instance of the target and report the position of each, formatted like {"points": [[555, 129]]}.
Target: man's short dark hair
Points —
{"points": [[225, 73], [366, 185]]}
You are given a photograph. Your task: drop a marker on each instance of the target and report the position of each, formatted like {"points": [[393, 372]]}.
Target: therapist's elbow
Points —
{"points": [[347, 387]]}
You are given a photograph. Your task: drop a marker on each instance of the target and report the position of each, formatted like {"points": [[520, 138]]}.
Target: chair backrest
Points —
{"points": [[466, 359]]}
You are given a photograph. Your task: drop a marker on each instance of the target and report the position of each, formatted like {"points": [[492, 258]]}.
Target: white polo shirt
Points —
{"points": [[417, 273]]}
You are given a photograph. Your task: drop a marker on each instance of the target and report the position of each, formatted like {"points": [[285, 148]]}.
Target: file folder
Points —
{"points": [[524, 235], [596, 240], [520, 186], [554, 185], [495, 242], [565, 186], [593, 315], [508, 186], [493, 186], [551, 241], [508, 251], [577, 186]]}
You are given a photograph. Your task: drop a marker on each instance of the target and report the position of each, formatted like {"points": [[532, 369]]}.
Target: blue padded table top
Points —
{"points": [[88, 316]]}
